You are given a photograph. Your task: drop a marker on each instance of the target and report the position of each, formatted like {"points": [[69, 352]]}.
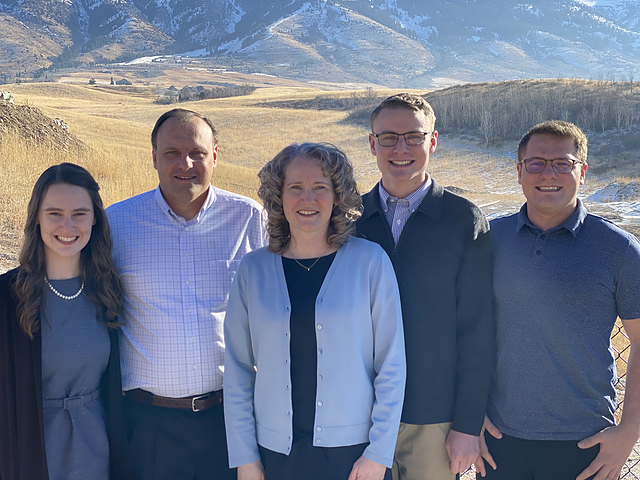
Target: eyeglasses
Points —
{"points": [[559, 165], [410, 138]]}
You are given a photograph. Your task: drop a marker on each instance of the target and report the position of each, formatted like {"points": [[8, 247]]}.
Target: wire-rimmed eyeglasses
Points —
{"points": [[559, 165], [390, 139]]}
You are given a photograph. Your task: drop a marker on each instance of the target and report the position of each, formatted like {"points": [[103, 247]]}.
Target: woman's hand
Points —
{"points": [[365, 469], [251, 471]]}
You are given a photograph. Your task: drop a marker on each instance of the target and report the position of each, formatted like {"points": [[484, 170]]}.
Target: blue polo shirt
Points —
{"points": [[558, 294]]}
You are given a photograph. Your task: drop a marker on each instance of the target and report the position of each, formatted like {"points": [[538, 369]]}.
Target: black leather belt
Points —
{"points": [[195, 404]]}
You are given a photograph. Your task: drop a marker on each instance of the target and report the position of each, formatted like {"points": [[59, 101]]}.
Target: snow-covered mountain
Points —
{"points": [[391, 42]]}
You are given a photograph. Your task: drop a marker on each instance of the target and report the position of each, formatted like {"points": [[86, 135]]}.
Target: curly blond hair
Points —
{"points": [[336, 167]]}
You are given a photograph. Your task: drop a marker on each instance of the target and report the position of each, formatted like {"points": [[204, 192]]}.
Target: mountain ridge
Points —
{"points": [[388, 42]]}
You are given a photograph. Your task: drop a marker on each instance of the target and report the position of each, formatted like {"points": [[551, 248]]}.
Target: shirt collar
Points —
{"points": [[573, 224], [415, 198], [164, 206]]}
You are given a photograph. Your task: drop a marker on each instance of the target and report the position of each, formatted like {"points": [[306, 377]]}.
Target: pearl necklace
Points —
{"points": [[65, 297]]}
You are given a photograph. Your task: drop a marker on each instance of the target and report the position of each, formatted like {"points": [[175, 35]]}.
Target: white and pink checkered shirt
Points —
{"points": [[177, 275]]}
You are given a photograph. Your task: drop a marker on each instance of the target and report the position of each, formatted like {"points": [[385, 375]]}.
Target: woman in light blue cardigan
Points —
{"points": [[314, 365]]}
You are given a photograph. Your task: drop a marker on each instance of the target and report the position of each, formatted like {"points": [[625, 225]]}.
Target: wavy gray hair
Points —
{"points": [[336, 167]]}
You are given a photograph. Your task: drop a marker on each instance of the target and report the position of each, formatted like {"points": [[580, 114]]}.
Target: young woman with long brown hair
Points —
{"points": [[60, 408]]}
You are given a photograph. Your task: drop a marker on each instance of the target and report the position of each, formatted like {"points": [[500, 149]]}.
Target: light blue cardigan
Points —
{"points": [[361, 360]]}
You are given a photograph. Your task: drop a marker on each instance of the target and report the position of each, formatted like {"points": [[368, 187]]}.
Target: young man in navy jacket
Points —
{"points": [[439, 245]]}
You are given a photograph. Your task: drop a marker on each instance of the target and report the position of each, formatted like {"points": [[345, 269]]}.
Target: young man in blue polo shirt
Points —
{"points": [[561, 278], [439, 245]]}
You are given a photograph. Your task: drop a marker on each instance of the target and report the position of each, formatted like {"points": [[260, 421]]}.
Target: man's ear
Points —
{"points": [[583, 172], [433, 141], [215, 155]]}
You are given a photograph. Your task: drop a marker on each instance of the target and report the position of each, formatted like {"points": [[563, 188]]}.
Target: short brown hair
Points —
{"points": [[561, 129], [336, 167], [182, 116], [407, 101]]}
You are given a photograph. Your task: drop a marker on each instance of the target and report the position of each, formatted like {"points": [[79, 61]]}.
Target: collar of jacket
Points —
{"points": [[431, 206]]}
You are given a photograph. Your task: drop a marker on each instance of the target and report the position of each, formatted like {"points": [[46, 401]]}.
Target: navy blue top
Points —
{"points": [[303, 286], [557, 296], [75, 354]]}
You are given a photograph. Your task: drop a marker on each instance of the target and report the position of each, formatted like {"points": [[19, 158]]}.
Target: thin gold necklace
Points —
{"points": [[304, 266]]}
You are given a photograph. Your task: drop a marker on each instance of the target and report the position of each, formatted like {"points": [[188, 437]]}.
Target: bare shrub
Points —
{"points": [[505, 110]]}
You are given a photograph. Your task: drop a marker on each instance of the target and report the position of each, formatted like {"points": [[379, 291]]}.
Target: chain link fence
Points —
{"points": [[621, 347]]}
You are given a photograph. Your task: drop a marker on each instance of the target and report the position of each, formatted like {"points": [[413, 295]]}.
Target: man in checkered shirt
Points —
{"points": [[177, 249]]}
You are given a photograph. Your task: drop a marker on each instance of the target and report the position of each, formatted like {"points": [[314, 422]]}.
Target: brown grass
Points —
{"points": [[116, 126]]}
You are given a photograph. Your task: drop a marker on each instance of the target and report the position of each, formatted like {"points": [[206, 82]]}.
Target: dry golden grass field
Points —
{"points": [[115, 124]]}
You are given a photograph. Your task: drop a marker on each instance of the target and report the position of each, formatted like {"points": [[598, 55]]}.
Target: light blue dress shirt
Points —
{"points": [[398, 210], [177, 275]]}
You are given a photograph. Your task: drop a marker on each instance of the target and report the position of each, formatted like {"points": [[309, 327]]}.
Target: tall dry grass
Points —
{"points": [[116, 127]]}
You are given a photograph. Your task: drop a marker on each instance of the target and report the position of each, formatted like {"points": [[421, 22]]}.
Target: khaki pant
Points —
{"points": [[421, 454]]}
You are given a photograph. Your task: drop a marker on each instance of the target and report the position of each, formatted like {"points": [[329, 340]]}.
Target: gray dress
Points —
{"points": [[75, 353]]}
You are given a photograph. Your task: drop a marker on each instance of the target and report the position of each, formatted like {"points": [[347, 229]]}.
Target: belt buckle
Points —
{"points": [[199, 397]]}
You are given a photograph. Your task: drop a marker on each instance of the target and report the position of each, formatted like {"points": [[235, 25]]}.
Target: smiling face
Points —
{"points": [[307, 199], [403, 167], [185, 157], [551, 197], [66, 218]]}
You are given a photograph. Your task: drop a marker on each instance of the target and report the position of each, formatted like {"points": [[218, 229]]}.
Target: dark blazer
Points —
{"points": [[443, 266], [22, 450]]}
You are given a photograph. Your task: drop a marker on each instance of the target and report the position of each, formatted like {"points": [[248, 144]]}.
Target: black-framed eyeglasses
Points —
{"points": [[390, 139], [559, 165]]}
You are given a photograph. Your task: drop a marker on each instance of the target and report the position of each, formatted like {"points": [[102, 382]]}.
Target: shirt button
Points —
{"points": [[320, 377], [195, 367], [193, 339], [287, 387], [289, 413], [318, 441], [188, 282], [189, 310], [539, 252], [186, 229], [319, 352], [319, 429], [319, 404], [398, 222], [319, 327]]}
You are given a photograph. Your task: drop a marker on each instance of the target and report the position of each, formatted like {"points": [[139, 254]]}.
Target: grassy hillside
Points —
{"points": [[115, 125]]}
